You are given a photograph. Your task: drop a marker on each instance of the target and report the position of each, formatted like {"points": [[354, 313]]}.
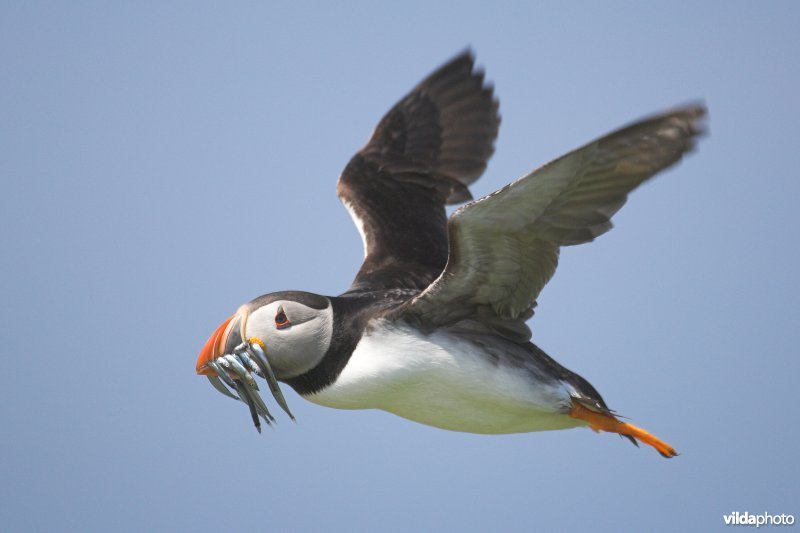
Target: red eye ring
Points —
{"points": [[281, 321]]}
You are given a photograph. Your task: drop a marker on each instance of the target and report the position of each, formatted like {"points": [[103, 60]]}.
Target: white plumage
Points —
{"points": [[443, 381]]}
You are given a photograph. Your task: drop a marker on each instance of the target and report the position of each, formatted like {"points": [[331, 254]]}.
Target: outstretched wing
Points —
{"points": [[504, 247], [422, 155]]}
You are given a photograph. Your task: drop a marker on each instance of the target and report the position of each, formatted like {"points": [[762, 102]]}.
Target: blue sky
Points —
{"points": [[164, 163]]}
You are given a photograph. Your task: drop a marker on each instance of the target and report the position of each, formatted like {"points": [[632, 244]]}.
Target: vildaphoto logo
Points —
{"points": [[765, 519]]}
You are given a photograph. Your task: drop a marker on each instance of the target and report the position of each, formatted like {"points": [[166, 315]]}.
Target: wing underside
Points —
{"points": [[504, 247]]}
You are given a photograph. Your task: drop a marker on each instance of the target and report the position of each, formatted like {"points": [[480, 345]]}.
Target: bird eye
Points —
{"points": [[281, 321]]}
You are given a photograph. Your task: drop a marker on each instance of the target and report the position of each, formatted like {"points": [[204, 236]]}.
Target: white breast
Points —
{"points": [[444, 381]]}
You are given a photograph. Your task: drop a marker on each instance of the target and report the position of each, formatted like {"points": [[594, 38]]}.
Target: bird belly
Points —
{"points": [[447, 382]]}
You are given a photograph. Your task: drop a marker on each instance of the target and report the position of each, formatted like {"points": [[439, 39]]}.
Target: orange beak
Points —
{"points": [[213, 349]]}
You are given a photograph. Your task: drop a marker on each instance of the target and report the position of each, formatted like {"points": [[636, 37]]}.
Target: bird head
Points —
{"points": [[293, 328]]}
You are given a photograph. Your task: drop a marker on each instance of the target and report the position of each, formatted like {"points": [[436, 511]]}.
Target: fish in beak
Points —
{"points": [[230, 363]]}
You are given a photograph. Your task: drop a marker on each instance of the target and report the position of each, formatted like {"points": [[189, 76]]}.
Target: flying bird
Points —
{"points": [[433, 327]]}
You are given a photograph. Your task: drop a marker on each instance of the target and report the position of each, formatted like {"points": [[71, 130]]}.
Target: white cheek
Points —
{"points": [[259, 324], [300, 348], [294, 350]]}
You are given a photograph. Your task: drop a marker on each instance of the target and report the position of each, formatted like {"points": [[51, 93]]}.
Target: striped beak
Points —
{"points": [[213, 348], [231, 363]]}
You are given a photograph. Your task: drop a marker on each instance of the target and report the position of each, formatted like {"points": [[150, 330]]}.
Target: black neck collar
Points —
{"points": [[350, 316]]}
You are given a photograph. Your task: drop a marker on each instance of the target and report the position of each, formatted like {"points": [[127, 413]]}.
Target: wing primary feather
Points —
{"points": [[423, 155], [504, 246]]}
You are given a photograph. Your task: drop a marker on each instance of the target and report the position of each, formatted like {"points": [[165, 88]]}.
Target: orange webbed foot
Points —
{"points": [[599, 421]]}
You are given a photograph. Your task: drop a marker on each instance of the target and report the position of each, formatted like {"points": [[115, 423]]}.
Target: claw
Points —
{"points": [[217, 383], [254, 349]]}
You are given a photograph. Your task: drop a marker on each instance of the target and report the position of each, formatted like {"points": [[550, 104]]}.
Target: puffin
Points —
{"points": [[434, 326]]}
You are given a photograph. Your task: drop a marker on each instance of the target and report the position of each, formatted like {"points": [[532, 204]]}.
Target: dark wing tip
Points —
{"points": [[444, 129], [694, 114], [658, 141], [690, 121], [468, 116]]}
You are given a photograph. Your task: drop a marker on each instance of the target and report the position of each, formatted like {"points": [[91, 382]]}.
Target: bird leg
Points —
{"points": [[607, 422]]}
